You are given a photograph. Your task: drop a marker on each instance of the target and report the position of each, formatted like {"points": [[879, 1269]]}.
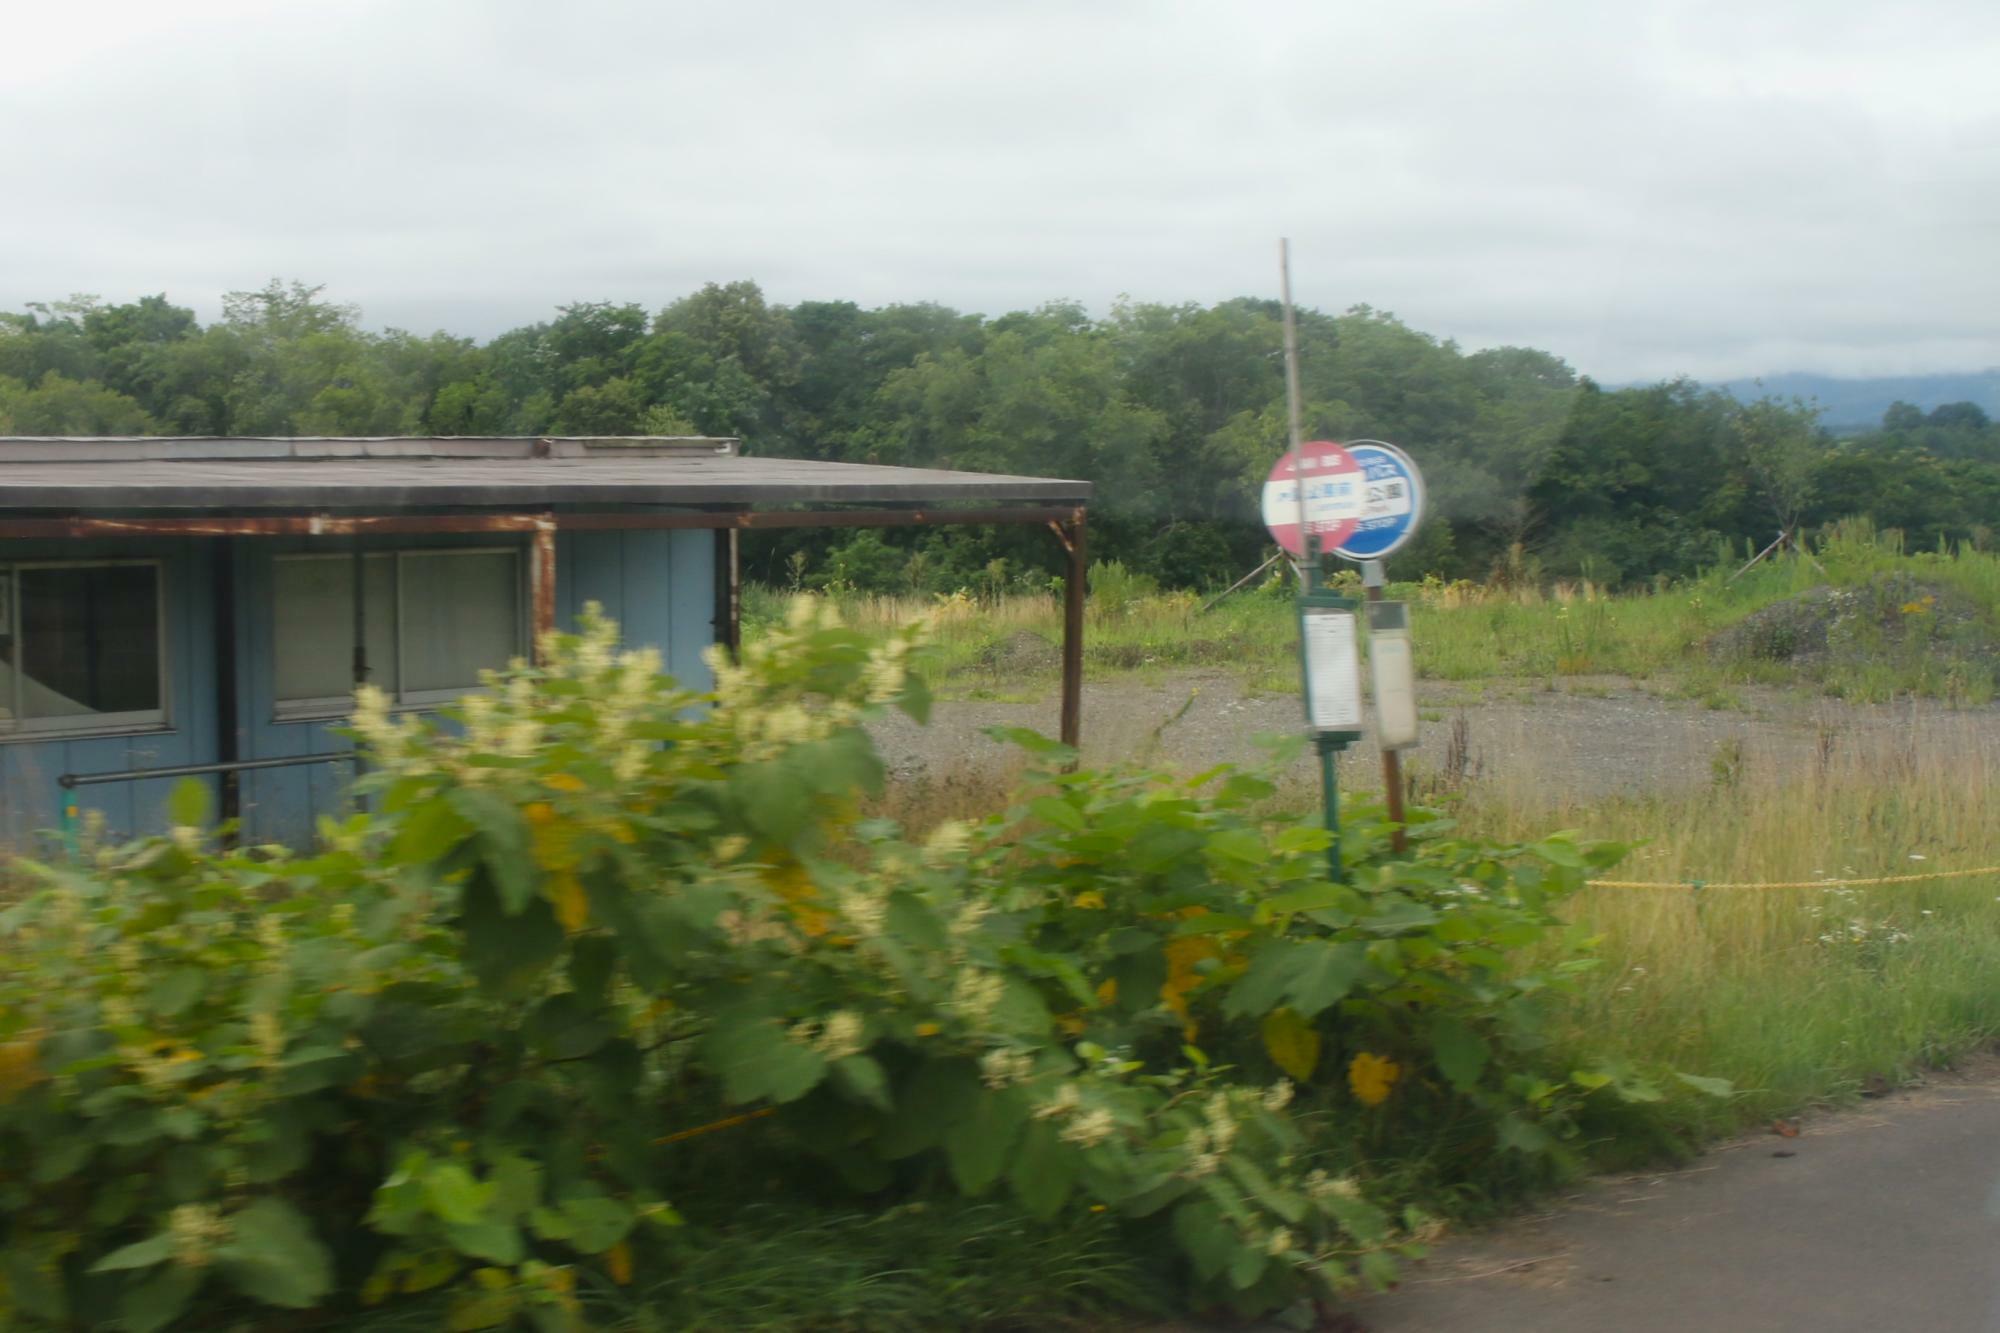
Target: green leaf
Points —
{"points": [[1239, 845], [1055, 752], [775, 798], [1205, 1236], [1043, 1172], [1461, 1053], [1292, 1207], [275, 1258], [146, 1307], [507, 951], [593, 960], [551, 1224], [596, 1223], [1713, 1087], [1307, 974], [431, 831], [1060, 813], [1303, 838], [454, 1194], [1265, 981], [189, 804], [35, 1287], [937, 1096], [563, 1027], [1246, 1266], [1315, 898], [1524, 1135], [495, 1242], [503, 843], [977, 1146], [863, 1080], [1328, 973], [757, 1060], [139, 1254], [915, 701], [176, 991]]}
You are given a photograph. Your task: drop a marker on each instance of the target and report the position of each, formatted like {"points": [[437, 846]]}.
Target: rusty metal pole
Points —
{"points": [[1072, 536], [1392, 760], [542, 585], [728, 620]]}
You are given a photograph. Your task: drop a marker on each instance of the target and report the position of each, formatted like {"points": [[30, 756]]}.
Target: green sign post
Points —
{"points": [[1313, 494], [1330, 674]]}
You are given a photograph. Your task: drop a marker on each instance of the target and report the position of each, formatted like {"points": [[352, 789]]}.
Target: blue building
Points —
{"points": [[206, 606]]}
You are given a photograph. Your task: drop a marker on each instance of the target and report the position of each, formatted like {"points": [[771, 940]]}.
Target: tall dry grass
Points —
{"points": [[1797, 994]]}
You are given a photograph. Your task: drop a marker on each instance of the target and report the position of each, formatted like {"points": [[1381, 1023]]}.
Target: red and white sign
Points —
{"points": [[1333, 496]]}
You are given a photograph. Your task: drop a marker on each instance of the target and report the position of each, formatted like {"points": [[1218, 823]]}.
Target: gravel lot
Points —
{"points": [[1586, 738]]}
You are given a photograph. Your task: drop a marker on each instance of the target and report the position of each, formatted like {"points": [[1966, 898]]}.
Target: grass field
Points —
{"points": [[1799, 995], [1896, 642]]}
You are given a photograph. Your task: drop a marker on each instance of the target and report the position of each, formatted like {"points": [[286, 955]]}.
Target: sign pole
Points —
{"points": [[1308, 547], [1329, 746]]}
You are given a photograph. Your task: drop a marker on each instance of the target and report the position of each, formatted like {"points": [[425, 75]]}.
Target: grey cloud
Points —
{"points": [[1645, 189]]}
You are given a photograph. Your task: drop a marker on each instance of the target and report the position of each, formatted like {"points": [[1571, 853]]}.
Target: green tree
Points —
{"points": [[58, 406]]}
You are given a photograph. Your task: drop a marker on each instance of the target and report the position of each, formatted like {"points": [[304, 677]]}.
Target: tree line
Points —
{"points": [[1176, 412]]}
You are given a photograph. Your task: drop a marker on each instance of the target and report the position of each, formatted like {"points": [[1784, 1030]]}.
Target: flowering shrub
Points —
{"points": [[463, 1047]]}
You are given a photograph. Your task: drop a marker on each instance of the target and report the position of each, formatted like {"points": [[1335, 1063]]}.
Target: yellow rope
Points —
{"points": [[1792, 883], [730, 1122]]}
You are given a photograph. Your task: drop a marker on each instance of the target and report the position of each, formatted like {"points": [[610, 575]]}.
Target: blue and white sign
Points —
{"points": [[1392, 501]]}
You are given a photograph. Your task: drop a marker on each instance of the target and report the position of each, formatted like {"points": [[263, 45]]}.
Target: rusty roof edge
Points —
{"points": [[215, 448]]}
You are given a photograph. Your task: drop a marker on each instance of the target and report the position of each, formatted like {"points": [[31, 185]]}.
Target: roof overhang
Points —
{"points": [[248, 476]]}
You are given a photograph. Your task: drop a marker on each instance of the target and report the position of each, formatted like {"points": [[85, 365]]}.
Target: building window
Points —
{"points": [[81, 648], [434, 620]]}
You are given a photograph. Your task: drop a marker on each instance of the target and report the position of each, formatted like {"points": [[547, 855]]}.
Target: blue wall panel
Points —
{"points": [[28, 769], [659, 586]]}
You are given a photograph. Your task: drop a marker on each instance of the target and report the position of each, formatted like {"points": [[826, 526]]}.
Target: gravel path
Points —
{"points": [[1587, 738]]}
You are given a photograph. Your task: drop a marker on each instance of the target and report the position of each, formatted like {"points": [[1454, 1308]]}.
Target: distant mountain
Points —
{"points": [[1858, 404]]}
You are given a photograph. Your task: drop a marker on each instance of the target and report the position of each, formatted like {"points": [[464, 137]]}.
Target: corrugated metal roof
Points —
{"points": [[215, 475]]}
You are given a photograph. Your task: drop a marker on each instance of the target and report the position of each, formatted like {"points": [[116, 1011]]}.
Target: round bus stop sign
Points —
{"points": [[1332, 481], [1391, 502]]}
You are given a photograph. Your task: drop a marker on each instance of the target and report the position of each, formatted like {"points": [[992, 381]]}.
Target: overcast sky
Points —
{"points": [[1646, 187]]}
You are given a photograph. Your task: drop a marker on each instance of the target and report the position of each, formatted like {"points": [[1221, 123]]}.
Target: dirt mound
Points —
{"points": [[1894, 618], [1023, 653]]}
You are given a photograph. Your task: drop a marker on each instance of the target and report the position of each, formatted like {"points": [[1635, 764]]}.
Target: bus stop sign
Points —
{"points": [[1332, 481], [1391, 502]]}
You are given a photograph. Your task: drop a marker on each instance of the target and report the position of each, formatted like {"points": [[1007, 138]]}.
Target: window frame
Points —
{"points": [[334, 707], [15, 728]]}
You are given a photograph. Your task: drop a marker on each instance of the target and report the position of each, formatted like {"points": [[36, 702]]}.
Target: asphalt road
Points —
{"points": [[1882, 1219]]}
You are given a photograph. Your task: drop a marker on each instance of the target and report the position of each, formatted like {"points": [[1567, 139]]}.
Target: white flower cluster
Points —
{"points": [[766, 722], [1278, 1096], [976, 994], [198, 1230], [1086, 1127], [947, 842], [1222, 1127], [969, 918], [1319, 1185], [1203, 1160], [744, 930], [269, 1035], [1002, 1068], [866, 912], [844, 1033], [1089, 1128]]}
